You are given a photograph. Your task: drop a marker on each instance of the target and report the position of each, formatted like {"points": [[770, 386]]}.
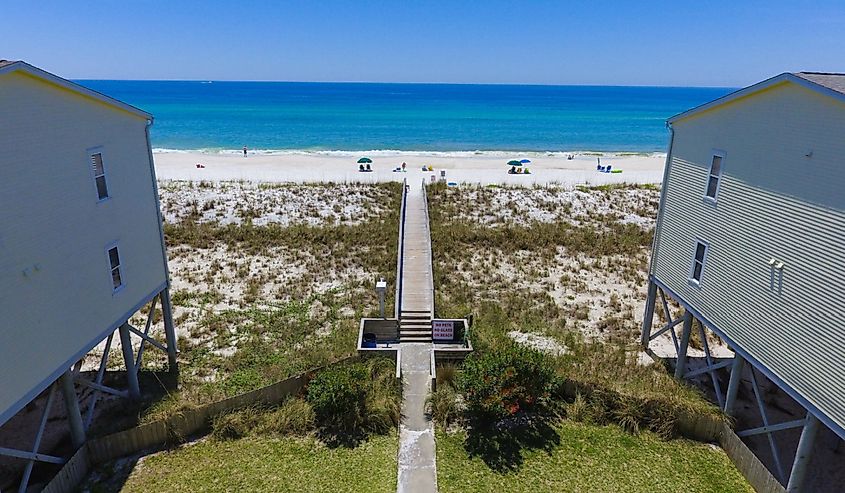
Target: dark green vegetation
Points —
{"points": [[501, 383], [574, 457], [357, 398], [343, 404]]}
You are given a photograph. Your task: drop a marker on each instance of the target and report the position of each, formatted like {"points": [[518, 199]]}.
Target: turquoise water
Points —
{"points": [[315, 116]]}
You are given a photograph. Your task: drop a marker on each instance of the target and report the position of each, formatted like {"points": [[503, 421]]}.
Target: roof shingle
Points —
{"points": [[830, 80]]}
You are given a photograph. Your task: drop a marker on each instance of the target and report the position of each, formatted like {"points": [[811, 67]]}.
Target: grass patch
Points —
{"points": [[581, 458], [257, 465]]}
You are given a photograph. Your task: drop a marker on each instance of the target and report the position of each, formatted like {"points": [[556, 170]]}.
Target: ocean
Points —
{"points": [[323, 117]]}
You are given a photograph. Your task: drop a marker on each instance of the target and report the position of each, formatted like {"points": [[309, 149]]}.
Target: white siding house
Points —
{"points": [[750, 237], [81, 244]]}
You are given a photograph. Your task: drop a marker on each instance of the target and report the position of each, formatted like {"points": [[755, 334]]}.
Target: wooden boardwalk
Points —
{"points": [[417, 457], [417, 278]]}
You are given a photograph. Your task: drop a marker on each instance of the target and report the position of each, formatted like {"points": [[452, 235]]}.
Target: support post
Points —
{"points": [[74, 417], [803, 454], [381, 287], [129, 360], [681, 365], [169, 330], [648, 317], [733, 384]]}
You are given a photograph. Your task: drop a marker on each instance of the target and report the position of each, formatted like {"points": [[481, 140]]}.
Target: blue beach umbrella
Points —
{"points": [[525, 161], [514, 163]]}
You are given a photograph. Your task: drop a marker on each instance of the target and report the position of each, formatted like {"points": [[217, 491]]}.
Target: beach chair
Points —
{"points": [[607, 170], [360, 168]]}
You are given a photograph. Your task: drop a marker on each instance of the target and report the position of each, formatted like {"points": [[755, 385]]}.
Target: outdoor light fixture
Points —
{"points": [[381, 287]]}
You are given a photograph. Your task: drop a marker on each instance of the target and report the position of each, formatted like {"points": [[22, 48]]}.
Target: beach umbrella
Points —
{"points": [[525, 161], [365, 160], [514, 163]]}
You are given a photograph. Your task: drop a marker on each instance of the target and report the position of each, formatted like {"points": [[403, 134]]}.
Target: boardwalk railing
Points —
{"points": [[430, 261], [400, 256]]}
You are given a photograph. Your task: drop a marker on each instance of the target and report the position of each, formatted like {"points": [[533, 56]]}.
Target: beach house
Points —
{"points": [[81, 242], [750, 241]]}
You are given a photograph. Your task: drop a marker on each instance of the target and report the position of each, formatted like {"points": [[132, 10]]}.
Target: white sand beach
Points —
{"points": [[468, 167]]}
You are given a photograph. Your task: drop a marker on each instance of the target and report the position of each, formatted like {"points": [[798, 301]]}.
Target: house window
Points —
{"points": [[714, 177], [698, 262], [114, 264], [99, 176]]}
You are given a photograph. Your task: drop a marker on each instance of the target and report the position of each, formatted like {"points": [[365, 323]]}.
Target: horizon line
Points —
{"points": [[402, 83]]}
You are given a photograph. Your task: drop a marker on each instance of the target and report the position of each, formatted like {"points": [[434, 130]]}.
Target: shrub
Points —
{"points": [[504, 381], [383, 402], [338, 396], [444, 405], [447, 375], [357, 397]]}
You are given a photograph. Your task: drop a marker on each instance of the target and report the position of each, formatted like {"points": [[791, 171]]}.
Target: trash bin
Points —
{"points": [[369, 340]]}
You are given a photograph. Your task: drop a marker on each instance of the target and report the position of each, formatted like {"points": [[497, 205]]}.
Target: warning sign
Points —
{"points": [[442, 330]]}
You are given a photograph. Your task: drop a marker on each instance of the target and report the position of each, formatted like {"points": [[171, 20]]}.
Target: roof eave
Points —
{"points": [[752, 89], [74, 87]]}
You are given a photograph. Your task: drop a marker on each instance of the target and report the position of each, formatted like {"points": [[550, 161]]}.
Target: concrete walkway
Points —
{"points": [[417, 467]]}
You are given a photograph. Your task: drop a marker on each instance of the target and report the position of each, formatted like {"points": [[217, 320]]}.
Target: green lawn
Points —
{"points": [[577, 457], [265, 464]]}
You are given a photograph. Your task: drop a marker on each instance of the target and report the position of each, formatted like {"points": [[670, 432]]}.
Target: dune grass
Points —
{"points": [[249, 325], [585, 458], [518, 294], [279, 464]]}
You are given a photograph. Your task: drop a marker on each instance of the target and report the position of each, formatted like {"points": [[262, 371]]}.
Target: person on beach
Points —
{"points": [[403, 167], [245, 149]]}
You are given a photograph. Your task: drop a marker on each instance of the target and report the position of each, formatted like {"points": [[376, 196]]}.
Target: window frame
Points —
{"points": [[721, 155], [91, 152], [691, 277], [110, 270]]}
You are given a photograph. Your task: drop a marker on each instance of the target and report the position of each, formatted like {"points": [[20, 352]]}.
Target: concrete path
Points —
{"points": [[417, 469]]}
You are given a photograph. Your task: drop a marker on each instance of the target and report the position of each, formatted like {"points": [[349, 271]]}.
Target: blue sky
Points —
{"points": [[700, 43]]}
